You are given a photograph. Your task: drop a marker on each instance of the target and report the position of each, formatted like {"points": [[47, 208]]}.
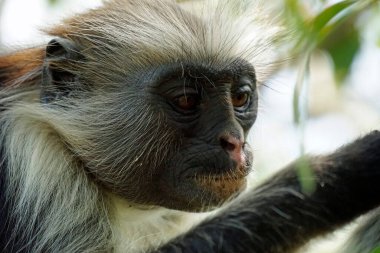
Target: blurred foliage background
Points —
{"points": [[329, 27], [333, 28]]}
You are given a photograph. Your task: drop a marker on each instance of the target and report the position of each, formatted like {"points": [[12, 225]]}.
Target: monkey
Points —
{"points": [[127, 133]]}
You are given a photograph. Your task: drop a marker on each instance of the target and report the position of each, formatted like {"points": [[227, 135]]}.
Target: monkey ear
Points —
{"points": [[58, 77]]}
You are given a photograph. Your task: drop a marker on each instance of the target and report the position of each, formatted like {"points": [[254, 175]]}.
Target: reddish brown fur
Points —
{"points": [[18, 64]]}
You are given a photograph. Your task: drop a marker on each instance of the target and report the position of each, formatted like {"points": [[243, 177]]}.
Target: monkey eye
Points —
{"points": [[240, 99], [187, 102], [241, 94]]}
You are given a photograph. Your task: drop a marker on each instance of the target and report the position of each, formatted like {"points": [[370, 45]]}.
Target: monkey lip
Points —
{"points": [[227, 182], [211, 177], [236, 174], [223, 186]]}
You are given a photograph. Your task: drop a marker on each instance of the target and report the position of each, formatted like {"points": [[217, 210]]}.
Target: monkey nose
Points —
{"points": [[234, 147]]}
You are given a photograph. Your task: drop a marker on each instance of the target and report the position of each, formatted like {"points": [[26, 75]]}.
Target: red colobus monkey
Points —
{"points": [[133, 120]]}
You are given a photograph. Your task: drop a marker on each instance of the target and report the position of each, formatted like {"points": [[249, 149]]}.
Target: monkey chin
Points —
{"points": [[223, 188], [209, 192], [202, 189]]}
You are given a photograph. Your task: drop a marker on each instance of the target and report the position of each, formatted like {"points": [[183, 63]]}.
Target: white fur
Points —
{"points": [[139, 228], [41, 174]]}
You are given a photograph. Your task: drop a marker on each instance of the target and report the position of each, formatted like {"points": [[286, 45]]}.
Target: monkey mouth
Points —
{"points": [[210, 177], [223, 186], [229, 175]]}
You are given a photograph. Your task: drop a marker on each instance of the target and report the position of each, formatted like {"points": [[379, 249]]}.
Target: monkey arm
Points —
{"points": [[278, 217]]}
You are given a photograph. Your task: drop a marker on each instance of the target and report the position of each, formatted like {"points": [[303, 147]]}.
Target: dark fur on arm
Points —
{"points": [[279, 217]]}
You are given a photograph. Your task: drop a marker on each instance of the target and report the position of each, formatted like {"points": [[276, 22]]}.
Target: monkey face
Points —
{"points": [[178, 138], [210, 111], [157, 116]]}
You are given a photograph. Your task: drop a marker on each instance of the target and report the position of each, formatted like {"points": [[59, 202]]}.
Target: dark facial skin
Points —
{"points": [[212, 109]]}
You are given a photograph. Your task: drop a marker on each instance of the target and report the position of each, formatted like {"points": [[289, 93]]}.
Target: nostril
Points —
{"points": [[231, 143], [234, 147]]}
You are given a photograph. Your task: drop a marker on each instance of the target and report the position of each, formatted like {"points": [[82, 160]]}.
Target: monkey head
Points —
{"points": [[209, 111], [157, 125]]}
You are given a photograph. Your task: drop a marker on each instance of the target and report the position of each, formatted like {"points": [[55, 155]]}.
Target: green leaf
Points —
{"points": [[376, 250], [306, 176], [293, 12], [343, 47], [347, 16], [53, 2], [329, 13]]}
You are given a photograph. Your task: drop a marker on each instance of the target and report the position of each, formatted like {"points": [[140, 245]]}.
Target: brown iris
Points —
{"points": [[240, 99], [187, 103]]}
